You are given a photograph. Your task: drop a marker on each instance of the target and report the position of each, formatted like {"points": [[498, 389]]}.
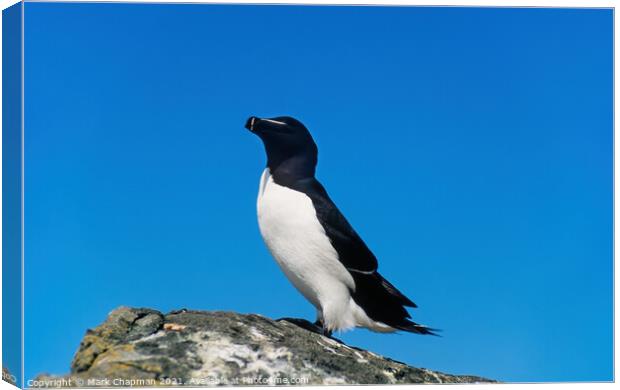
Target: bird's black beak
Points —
{"points": [[251, 122]]}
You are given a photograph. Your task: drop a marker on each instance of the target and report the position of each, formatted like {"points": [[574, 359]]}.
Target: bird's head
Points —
{"points": [[287, 141]]}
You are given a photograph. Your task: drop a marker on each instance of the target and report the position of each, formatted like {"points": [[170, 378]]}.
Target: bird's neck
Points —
{"points": [[293, 169]]}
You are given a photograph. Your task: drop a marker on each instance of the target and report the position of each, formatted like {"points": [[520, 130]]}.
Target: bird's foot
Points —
{"points": [[324, 331], [305, 324], [316, 327]]}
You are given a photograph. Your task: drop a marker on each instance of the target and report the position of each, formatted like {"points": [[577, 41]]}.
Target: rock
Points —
{"points": [[143, 347]]}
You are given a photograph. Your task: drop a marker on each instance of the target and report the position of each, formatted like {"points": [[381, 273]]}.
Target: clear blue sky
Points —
{"points": [[470, 148]]}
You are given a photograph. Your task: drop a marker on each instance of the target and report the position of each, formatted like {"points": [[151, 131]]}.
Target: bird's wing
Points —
{"points": [[354, 254], [352, 251]]}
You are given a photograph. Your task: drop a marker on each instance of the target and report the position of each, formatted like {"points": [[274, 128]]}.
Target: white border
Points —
{"points": [[479, 3]]}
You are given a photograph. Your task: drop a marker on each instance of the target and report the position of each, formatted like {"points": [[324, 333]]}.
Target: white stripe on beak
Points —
{"points": [[275, 122]]}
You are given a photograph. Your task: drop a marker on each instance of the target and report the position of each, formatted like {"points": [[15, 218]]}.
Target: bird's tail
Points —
{"points": [[384, 303], [410, 326]]}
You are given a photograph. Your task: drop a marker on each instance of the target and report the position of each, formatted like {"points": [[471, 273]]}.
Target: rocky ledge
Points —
{"points": [[143, 347]]}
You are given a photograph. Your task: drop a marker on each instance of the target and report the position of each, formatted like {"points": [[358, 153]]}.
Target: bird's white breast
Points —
{"points": [[289, 225], [298, 242]]}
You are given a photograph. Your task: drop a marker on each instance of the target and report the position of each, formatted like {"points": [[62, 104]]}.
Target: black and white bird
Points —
{"points": [[313, 243]]}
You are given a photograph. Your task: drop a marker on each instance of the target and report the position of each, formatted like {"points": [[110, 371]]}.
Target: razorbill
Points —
{"points": [[313, 243]]}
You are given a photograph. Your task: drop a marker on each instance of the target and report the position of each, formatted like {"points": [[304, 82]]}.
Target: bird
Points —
{"points": [[314, 244]]}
